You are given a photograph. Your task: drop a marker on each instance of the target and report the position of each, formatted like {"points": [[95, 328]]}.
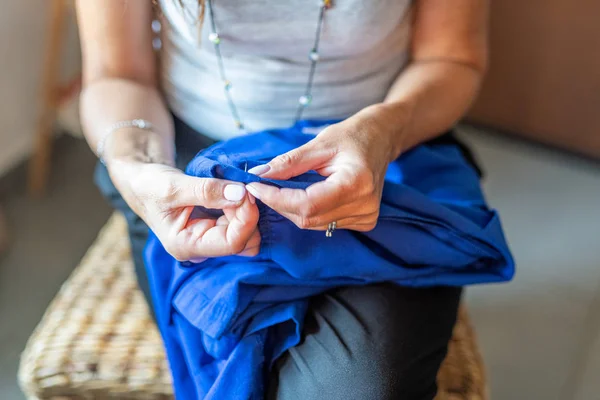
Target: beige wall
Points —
{"points": [[22, 33], [544, 79]]}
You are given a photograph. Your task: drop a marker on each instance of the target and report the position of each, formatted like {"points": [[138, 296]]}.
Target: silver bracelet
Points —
{"points": [[133, 123]]}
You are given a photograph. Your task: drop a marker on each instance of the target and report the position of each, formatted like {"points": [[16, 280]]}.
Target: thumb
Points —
{"points": [[207, 192], [295, 162]]}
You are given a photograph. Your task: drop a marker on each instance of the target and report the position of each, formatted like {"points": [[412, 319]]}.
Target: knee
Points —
{"points": [[367, 373], [383, 373], [380, 342]]}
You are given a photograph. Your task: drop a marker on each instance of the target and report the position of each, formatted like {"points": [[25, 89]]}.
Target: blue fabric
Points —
{"points": [[225, 321]]}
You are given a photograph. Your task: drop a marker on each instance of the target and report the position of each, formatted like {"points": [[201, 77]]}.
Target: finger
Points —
{"points": [[245, 213], [310, 156], [253, 246], [345, 213], [254, 240], [213, 238], [360, 211], [317, 199], [197, 260], [180, 243], [363, 223], [207, 192], [242, 225], [250, 252], [179, 218], [222, 220]]}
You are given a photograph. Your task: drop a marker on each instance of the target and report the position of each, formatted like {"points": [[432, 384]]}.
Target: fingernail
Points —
{"points": [[253, 191], [260, 169], [234, 192], [252, 198]]}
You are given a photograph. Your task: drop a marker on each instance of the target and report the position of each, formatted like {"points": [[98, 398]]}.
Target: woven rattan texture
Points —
{"points": [[97, 340]]}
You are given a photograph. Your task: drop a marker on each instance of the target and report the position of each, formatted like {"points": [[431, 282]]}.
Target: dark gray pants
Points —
{"points": [[376, 342]]}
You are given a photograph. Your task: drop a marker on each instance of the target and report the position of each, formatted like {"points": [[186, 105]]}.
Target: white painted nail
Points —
{"points": [[253, 191], [260, 169], [234, 192]]}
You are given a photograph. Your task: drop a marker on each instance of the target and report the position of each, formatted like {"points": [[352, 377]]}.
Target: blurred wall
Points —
{"points": [[23, 31], [544, 77]]}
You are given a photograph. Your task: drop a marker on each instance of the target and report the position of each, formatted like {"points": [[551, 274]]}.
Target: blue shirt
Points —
{"points": [[224, 321]]}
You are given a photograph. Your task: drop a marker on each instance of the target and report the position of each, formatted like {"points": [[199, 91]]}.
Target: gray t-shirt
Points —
{"points": [[265, 46]]}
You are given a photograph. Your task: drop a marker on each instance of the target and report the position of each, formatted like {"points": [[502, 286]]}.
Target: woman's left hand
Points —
{"points": [[354, 155]]}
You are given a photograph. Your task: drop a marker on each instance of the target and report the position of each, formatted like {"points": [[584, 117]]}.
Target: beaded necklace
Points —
{"points": [[313, 55]]}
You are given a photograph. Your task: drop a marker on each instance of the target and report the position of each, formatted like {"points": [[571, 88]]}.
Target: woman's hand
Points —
{"points": [[164, 197], [119, 72], [354, 155]]}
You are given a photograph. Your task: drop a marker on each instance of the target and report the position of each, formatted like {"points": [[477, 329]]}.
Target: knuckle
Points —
{"points": [[254, 241], [237, 245], [371, 225], [366, 227], [254, 252], [170, 192], [174, 245], [354, 176], [348, 188], [207, 190], [371, 222], [164, 190], [305, 223], [354, 185], [176, 252], [367, 184], [286, 159], [373, 205], [307, 210]]}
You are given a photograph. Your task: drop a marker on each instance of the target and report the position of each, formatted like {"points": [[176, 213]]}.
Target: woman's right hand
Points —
{"points": [[164, 198]]}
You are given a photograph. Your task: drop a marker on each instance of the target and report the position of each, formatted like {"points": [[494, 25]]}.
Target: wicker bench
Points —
{"points": [[97, 340]]}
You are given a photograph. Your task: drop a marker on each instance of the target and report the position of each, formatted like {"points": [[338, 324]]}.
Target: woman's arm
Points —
{"points": [[448, 60], [119, 72], [120, 84], [449, 55]]}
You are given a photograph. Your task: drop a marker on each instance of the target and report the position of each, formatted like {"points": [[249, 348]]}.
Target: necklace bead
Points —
{"points": [[227, 85], [305, 100], [313, 55], [214, 38], [156, 26]]}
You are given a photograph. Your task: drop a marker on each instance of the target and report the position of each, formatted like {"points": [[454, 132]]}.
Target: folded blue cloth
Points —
{"points": [[225, 321]]}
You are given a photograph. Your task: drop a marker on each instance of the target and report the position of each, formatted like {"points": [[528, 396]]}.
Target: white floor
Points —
{"points": [[539, 334]]}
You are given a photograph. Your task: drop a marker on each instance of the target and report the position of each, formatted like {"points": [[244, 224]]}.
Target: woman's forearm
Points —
{"points": [[449, 55], [107, 101], [427, 99]]}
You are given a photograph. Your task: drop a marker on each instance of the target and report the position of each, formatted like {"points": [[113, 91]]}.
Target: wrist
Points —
{"points": [[134, 145], [390, 121]]}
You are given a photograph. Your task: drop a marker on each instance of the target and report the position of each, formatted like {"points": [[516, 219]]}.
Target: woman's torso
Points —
{"points": [[265, 46]]}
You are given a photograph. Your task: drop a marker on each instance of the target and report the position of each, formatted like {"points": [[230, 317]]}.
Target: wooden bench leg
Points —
{"points": [[39, 167]]}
